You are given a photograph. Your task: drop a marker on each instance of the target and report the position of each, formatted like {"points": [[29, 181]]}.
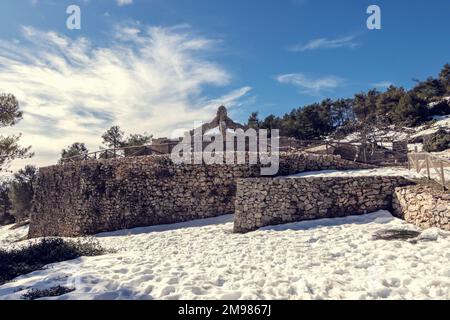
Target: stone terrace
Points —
{"points": [[89, 197]]}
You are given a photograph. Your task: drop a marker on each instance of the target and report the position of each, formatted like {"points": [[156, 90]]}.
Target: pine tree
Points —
{"points": [[138, 139], [22, 191], [429, 89], [5, 202], [411, 110], [271, 122], [387, 102], [76, 149], [113, 138], [9, 145], [365, 105], [444, 77], [342, 112], [253, 121]]}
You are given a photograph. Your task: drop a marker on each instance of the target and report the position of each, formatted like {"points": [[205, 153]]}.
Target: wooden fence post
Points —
{"points": [[428, 167], [442, 175], [416, 163]]}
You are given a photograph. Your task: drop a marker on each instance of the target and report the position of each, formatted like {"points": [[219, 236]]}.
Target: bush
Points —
{"points": [[21, 192], [410, 111], [57, 291], [437, 142], [5, 204], [21, 261], [440, 109]]}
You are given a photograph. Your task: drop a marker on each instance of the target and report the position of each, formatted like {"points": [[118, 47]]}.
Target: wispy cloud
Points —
{"points": [[310, 85], [324, 43], [382, 84], [124, 2], [147, 79]]}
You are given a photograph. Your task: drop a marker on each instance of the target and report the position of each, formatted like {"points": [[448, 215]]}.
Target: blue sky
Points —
{"points": [[159, 65]]}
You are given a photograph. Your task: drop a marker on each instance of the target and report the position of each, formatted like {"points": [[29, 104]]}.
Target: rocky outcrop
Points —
{"points": [[423, 206], [262, 201]]}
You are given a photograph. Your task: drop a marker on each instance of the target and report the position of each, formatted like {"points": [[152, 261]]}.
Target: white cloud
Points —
{"points": [[324, 43], [382, 84], [147, 80], [124, 2], [310, 85]]}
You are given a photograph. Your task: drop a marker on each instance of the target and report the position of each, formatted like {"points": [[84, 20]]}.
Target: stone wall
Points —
{"points": [[106, 195], [264, 201], [423, 206]]}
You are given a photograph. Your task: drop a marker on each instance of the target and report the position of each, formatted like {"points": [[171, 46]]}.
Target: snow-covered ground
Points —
{"points": [[440, 122], [426, 129], [322, 259], [9, 237], [443, 154], [386, 171]]}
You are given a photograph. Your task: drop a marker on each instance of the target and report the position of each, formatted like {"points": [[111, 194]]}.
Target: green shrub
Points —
{"points": [[21, 192], [437, 142], [21, 261], [57, 291], [440, 109]]}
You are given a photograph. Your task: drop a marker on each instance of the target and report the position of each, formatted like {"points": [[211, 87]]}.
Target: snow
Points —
{"points": [[432, 104], [440, 122], [443, 154], [390, 135], [385, 171], [321, 259], [8, 237], [216, 131], [393, 135]]}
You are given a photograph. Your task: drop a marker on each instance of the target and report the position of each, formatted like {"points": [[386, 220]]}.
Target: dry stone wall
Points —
{"points": [[423, 206], [106, 195], [263, 201]]}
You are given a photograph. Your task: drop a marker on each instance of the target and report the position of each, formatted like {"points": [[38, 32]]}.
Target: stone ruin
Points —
{"points": [[221, 121], [93, 196]]}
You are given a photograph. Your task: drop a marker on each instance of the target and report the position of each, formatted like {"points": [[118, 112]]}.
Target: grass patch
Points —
{"points": [[57, 291], [16, 262], [396, 234]]}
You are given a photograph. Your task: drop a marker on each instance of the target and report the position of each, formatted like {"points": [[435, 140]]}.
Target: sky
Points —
{"points": [[158, 66]]}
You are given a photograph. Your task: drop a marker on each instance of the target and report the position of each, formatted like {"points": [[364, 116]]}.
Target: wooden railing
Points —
{"points": [[116, 153], [285, 145], [372, 154], [434, 167]]}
